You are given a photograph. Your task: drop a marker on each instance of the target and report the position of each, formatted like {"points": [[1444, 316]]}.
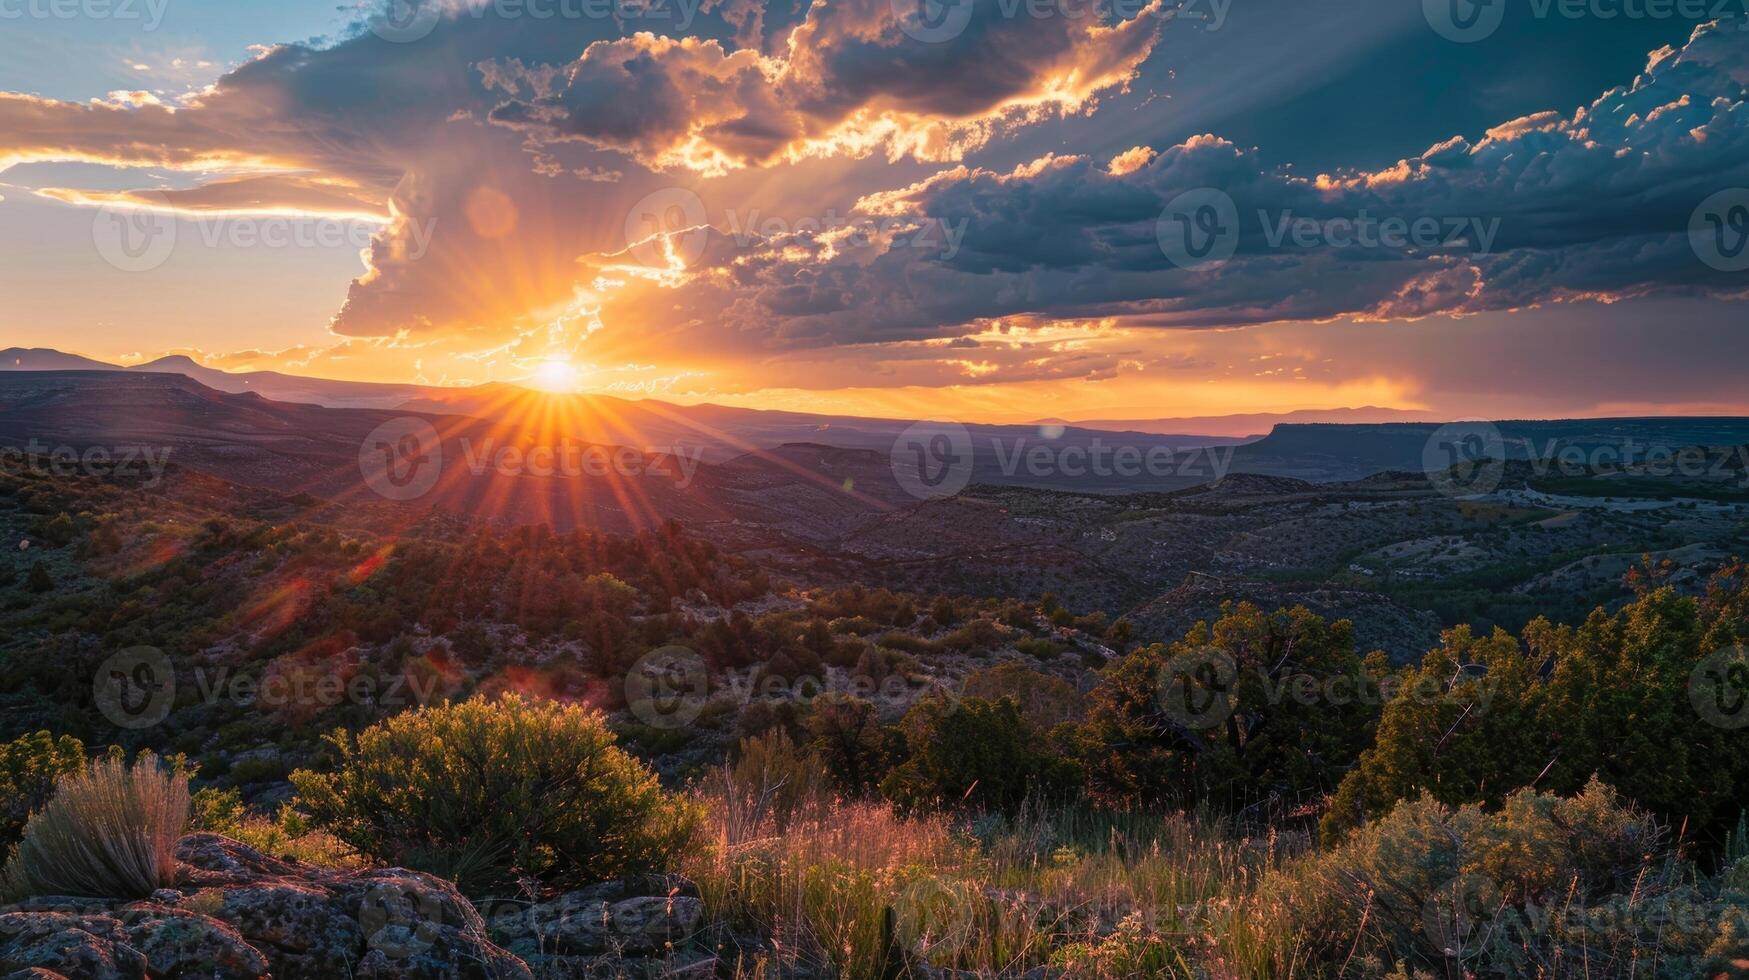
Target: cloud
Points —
{"points": [[849, 81], [1592, 205], [254, 194]]}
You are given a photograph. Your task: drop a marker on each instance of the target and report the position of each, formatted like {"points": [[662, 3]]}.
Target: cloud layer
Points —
{"points": [[833, 177], [1592, 205]]}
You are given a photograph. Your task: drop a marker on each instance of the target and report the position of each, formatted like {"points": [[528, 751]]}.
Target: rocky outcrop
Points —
{"points": [[239, 913], [639, 927]]}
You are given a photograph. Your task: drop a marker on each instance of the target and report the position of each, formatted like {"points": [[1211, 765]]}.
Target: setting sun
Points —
{"points": [[555, 376]]}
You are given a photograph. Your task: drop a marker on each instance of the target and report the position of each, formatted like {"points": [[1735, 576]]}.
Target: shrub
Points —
{"points": [[906, 643], [286, 835], [1165, 724], [39, 580], [29, 767], [1045, 701], [975, 753], [109, 831], [486, 792], [1547, 885], [977, 636], [846, 732], [1611, 697], [1038, 647]]}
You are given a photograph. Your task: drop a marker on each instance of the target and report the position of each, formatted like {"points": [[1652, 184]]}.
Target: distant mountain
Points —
{"points": [[46, 359], [1253, 425], [1003, 455], [1328, 452], [268, 384], [287, 387], [488, 470]]}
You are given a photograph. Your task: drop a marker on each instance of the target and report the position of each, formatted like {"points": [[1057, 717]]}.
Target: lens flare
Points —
{"points": [[555, 376]]}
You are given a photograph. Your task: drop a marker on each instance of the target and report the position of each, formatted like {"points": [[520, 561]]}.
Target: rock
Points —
{"points": [[651, 923], [317, 923], [238, 913], [90, 947], [179, 943], [598, 919]]}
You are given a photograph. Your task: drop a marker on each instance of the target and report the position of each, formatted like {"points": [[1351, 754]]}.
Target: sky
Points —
{"points": [[990, 210]]}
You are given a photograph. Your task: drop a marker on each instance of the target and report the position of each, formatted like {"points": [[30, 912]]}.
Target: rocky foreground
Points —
{"points": [[239, 913]]}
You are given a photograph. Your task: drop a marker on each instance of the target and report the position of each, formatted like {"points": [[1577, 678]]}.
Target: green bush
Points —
{"points": [[846, 732], [488, 792], [1217, 719], [1545, 886], [109, 831], [1611, 697], [976, 754], [39, 580], [29, 767]]}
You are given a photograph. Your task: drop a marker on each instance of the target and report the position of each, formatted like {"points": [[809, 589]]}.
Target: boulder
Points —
{"points": [[91, 947], [239, 913], [610, 918]]}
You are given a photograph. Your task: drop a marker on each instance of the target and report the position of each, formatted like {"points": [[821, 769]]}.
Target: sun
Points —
{"points": [[555, 376]]}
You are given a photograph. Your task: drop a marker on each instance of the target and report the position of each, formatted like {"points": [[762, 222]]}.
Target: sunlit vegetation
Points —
{"points": [[108, 831], [486, 792], [877, 783]]}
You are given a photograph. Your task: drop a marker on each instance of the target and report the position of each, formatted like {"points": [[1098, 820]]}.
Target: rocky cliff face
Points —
{"points": [[238, 913]]}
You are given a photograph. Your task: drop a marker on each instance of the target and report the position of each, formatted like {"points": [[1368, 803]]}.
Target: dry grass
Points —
{"points": [[110, 831], [855, 889], [817, 879]]}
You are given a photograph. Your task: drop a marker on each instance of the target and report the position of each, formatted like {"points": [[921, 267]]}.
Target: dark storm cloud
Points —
{"points": [[1589, 204]]}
